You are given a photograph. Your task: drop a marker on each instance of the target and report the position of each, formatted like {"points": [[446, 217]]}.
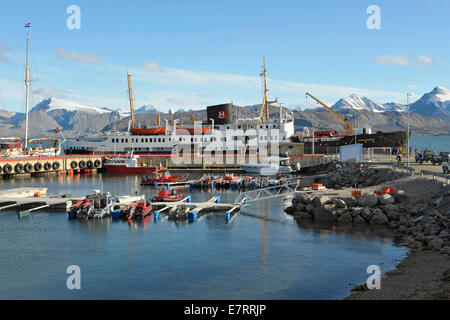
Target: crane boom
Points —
{"points": [[347, 125]]}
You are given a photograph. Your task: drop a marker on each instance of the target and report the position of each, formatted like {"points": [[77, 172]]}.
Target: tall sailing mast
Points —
{"points": [[266, 102], [130, 96], [27, 98]]}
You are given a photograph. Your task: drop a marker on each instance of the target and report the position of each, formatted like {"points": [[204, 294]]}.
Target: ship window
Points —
{"points": [[151, 140], [159, 139], [146, 140], [163, 140], [122, 140], [126, 140]]}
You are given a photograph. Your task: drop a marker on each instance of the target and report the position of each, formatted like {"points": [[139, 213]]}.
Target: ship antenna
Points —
{"points": [[27, 99], [130, 96], [265, 103]]}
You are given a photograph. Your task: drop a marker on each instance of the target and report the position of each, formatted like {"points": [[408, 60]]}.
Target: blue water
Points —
{"points": [[250, 258], [436, 143]]}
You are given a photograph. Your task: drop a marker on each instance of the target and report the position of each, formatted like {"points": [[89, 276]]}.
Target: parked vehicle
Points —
{"points": [[425, 156], [440, 158], [446, 167]]}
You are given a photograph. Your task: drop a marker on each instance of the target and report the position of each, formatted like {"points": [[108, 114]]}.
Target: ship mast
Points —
{"points": [[265, 104], [130, 96], [27, 98]]}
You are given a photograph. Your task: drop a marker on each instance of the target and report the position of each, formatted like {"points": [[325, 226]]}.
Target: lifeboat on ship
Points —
{"points": [[193, 131], [147, 131]]}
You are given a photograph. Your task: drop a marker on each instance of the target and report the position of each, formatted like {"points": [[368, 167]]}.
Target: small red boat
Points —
{"points": [[137, 210], [164, 196], [167, 178]]}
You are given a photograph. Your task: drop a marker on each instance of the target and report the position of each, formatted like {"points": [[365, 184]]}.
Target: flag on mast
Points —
{"points": [[57, 130], [28, 25]]}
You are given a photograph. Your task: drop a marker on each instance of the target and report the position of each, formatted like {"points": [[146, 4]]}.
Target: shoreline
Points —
{"points": [[422, 275], [417, 213]]}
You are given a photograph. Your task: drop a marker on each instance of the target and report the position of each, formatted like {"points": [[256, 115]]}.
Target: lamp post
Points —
{"points": [[407, 103]]}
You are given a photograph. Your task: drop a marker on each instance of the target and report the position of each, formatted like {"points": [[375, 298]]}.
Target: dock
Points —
{"points": [[29, 199], [45, 165]]}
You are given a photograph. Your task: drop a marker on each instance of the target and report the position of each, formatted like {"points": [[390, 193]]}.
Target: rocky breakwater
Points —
{"points": [[418, 222], [337, 176]]}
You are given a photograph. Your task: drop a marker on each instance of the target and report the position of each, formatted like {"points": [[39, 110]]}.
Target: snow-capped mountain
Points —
{"points": [[435, 103], [394, 106], [355, 102], [55, 104], [146, 109]]}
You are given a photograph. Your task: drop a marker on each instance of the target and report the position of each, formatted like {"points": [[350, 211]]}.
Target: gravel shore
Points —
{"points": [[423, 275]]}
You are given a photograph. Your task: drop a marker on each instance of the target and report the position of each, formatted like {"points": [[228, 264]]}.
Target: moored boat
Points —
{"points": [[128, 165], [158, 178], [81, 209], [165, 196]]}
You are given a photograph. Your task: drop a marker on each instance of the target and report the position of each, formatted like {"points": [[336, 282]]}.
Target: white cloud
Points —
{"points": [[88, 58], [425, 60], [394, 59], [439, 60], [151, 66], [242, 89]]}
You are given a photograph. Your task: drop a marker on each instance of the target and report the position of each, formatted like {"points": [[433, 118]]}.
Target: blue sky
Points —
{"points": [[189, 54]]}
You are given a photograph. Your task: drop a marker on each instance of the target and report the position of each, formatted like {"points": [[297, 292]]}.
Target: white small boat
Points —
{"points": [[269, 166]]}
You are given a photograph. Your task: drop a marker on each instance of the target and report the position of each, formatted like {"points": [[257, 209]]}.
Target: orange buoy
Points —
{"points": [[37, 194]]}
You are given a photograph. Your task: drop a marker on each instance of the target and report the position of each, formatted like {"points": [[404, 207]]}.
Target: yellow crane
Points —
{"points": [[131, 98], [347, 125]]}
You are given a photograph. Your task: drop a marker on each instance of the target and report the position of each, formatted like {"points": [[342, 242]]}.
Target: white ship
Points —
{"points": [[269, 166], [220, 133]]}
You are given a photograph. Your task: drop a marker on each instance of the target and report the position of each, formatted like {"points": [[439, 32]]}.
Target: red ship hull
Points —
{"points": [[123, 169]]}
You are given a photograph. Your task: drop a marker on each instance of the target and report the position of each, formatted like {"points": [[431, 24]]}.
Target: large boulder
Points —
{"points": [[359, 219], [386, 199], [345, 218], [320, 201], [302, 215], [325, 213], [366, 213], [435, 244], [356, 211], [289, 210], [367, 200], [378, 218], [339, 203]]}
